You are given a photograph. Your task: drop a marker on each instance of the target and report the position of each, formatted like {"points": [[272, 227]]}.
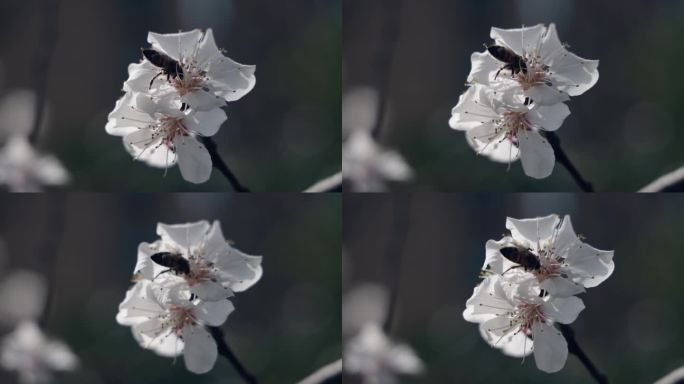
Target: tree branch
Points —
{"points": [[224, 350], [670, 182], [674, 377], [329, 184], [325, 374], [401, 207], [221, 165], [45, 48], [383, 60], [54, 228], [574, 348], [563, 159]]}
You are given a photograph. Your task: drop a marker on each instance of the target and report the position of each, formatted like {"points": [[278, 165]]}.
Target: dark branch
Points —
{"points": [[221, 165], [327, 374], [401, 207], [670, 182], [224, 350], [45, 48], [383, 59], [575, 349], [54, 227], [563, 159], [329, 184]]}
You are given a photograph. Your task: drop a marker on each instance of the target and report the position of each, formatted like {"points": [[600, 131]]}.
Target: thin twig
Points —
{"points": [[46, 46], [563, 159], [224, 350], [383, 60], [574, 348], [674, 377], [670, 182], [329, 184], [401, 207], [325, 374], [221, 165], [54, 228]]}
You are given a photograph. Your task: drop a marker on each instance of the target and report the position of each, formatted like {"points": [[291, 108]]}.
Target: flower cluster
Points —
{"points": [[531, 279], [173, 99], [183, 283], [518, 89]]}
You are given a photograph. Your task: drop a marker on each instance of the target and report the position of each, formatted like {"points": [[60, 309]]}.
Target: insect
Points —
{"points": [[174, 261], [169, 67], [522, 256], [514, 62]]}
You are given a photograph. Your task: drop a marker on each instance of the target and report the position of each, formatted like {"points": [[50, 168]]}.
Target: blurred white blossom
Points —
{"points": [[29, 352], [174, 100], [378, 359], [23, 169], [517, 89], [368, 167], [183, 281], [22, 296]]}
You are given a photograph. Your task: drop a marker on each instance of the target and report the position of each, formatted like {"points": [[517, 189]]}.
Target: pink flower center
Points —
{"points": [[192, 80], [513, 122], [169, 127], [179, 317], [535, 74], [200, 270], [527, 315]]}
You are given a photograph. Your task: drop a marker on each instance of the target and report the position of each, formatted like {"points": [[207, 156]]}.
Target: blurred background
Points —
{"points": [[284, 327], [282, 136], [622, 133], [633, 324]]}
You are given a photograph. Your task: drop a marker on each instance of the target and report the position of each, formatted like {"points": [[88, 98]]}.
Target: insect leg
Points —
{"points": [[155, 78], [162, 272]]}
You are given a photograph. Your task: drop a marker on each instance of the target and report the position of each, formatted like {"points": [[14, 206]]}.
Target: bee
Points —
{"points": [[174, 261], [522, 256], [514, 62], [169, 67]]}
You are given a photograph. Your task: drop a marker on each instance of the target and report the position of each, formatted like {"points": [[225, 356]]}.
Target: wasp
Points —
{"points": [[169, 67], [522, 256], [174, 261], [515, 63]]}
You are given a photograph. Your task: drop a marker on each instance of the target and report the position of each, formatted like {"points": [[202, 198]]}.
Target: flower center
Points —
{"points": [[527, 315], [535, 74], [168, 128], [550, 265], [514, 122], [193, 78], [179, 317], [200, 269]]}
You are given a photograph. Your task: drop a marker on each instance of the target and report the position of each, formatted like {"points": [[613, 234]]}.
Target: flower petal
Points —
{"points": [[548, 117], [211, 291], [193, 159], [200, 349], [543, 94], [176, 44], [183, 236], [205, 123], [536, 155], [562, 287], [214, 313], [531, 231], [202, 100], [563, 309], [484, 66], [550, 348], [520, 40]]}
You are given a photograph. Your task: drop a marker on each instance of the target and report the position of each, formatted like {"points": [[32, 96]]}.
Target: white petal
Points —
{"points": [[211, 291], [176, 44], [563, 309], [59, 357], [520, 40], [231, 79], [124, 119], [493, 257], [592, 265], [562, 287], [516, 344], [550, 348], [544, 94], [214, 313], [565, 239], [499, 325], [531, 231], [241, 269], [548, 117], [484, 66], [402, 359], [193, 159], [202, 100], [200, 349], [536, 155], [208, 50], [145, 146], [139, 76], [205, 123], [183, 236], [500, 151]]}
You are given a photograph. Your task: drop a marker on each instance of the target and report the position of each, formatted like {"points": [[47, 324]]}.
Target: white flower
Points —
{"points": [[216, 269], [22, 296], [566, 264], [378, 359], [208, 80], [171, 324], [502, 127], [22, 169], [33, 356], [157, 132], [520, 321], [552, 73], [368, 166]]}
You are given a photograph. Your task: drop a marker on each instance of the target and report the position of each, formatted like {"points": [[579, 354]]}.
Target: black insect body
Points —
{"points": [[169, 67], [522, 256], [514, 62], [174, 261]]}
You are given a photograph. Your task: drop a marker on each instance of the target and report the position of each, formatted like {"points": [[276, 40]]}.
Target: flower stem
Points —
{"points": [[575, 349], [224, 350], [383, 60], [329, 184], [221, 165], [54, 227], [401, 207], [46, 46], [326, 374], [563, 159]]}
